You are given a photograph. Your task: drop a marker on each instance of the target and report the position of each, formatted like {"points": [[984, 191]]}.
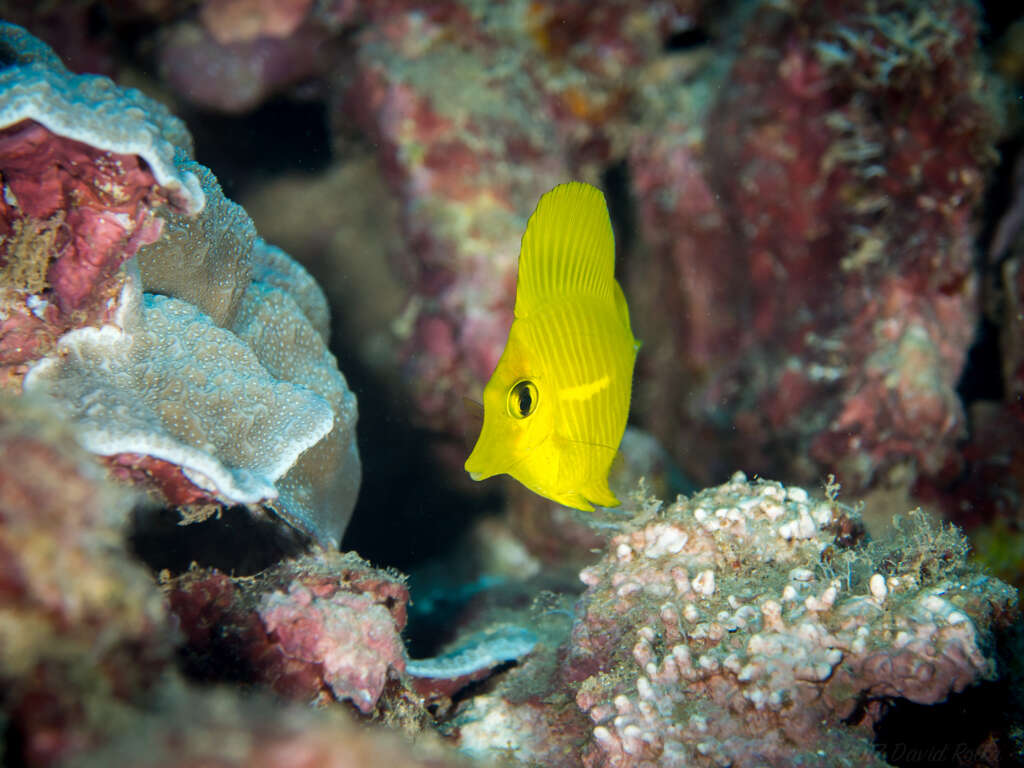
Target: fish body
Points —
{"points": [[556, 406]]}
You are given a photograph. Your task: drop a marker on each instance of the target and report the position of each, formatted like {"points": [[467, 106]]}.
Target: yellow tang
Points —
{"points": [[556, 406]]}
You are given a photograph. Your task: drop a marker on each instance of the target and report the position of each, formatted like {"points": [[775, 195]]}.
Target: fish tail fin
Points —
{"points": [[568, 249], [621, 308]]}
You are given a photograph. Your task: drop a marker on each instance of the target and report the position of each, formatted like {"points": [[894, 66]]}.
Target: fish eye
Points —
{"points": [[522, 399]]}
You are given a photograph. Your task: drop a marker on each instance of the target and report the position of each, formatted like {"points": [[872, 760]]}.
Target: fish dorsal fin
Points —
{"points": [[568, 248]]}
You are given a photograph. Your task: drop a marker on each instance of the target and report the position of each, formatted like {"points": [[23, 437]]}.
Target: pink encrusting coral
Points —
{"points": [[323, 626], [751, 625], [64, 253], [813, 214]]}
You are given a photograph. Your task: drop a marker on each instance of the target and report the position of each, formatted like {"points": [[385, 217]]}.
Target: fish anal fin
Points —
{"points": [[568, 248], [574, 500], [601, 495]]}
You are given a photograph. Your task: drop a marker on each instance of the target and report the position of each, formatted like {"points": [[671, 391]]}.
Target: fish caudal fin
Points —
{"points": [[568, 249]]}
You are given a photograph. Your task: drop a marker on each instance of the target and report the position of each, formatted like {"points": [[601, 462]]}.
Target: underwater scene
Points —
{"points": [[517, 384]]}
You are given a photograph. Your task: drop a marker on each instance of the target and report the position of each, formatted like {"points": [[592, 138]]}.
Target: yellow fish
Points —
{"points": [[556, 405]]}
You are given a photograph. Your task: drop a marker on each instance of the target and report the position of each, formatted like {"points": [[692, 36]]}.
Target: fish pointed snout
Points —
{"points": [[482, 462], [475, 467]]}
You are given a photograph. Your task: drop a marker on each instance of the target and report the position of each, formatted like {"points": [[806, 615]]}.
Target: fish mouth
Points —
{"points": [[480, 465], [476, 467]]}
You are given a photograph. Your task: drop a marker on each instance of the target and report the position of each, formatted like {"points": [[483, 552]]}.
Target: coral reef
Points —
{"points": [[751, 625], [83, 631], [189, 729], [794, 188], [208, 377], [87, 643], [325, 626], [827, 199], [835, 187]]}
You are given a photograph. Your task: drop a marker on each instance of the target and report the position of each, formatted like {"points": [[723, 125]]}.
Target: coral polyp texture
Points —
{"points": [[751, 625], [93, 110], [141, 302]]}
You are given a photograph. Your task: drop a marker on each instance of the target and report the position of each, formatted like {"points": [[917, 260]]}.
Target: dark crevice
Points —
{"points": [[981, 378], [283, 135], [234, 541], [616, 184], [408, 512], [955, 733], [12, 745], [686, 39]]}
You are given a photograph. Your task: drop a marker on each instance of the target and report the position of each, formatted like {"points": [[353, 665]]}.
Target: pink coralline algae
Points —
{"points": [[110, 218], [831, 172], [324, 626], [140, 300], [469, 137], [749, 625]]}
